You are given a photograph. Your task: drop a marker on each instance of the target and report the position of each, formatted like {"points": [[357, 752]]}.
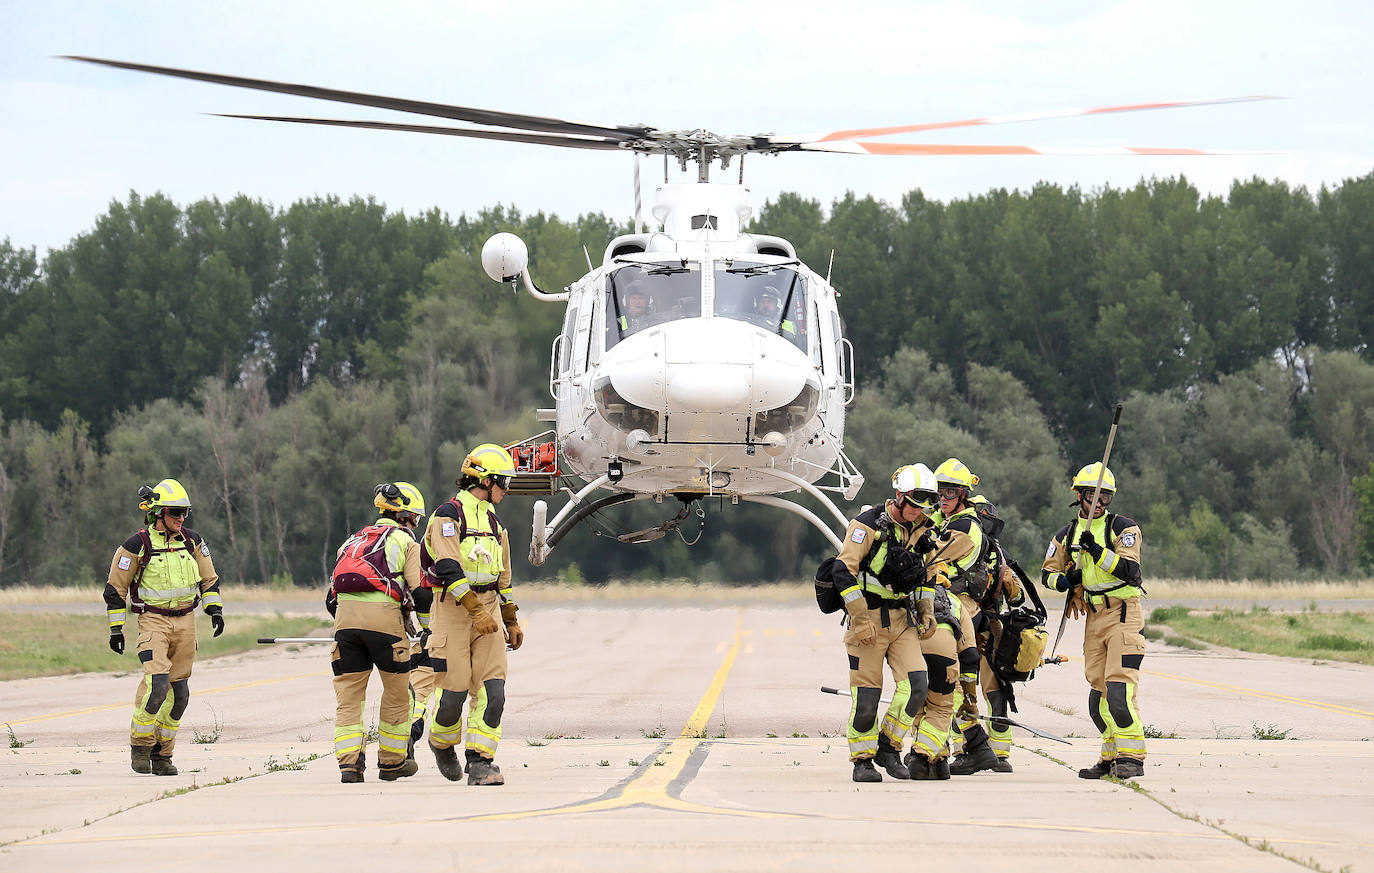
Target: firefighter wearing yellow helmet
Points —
{"points": [[1097, 557], [370, 592], [466, 554], [164, 570], [877, 572], [958, 563]]}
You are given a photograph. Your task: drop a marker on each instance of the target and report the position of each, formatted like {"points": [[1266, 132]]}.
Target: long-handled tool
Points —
{"points": [[1092, 510], [826, 689], [269, 641]]}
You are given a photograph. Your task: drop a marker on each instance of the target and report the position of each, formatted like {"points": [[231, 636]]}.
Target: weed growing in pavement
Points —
{"points": [[373, 733], [1154, 733], [603, 763], [797, 736], [75, 771], [211, 734], [1272, 732], [772, 735], [658, 763], [535, 743], [15, 742], [272, 765], [1062, 710], [632, 762], [654, 734]]}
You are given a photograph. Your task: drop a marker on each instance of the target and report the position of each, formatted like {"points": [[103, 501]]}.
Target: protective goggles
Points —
{"points": [[502, 482], [952, 493], [177, 511], [923, 500], [1086, 494]]}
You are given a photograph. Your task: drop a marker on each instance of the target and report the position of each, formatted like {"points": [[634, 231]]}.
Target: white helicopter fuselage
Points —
{"points": [[701, 385]]}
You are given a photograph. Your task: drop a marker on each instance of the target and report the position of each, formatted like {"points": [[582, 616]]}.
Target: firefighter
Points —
{"points": [[164, 570], [876, 573], [1097, 558], [467, 557], [928, 757], [958, 562], [1004, 588], [377, 569]]}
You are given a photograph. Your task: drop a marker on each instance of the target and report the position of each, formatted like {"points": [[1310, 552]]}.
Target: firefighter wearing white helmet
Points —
{"points": [[1097, 557], [877, 572], [958, 563], [370, 593], [466, 554], [165, 571]]}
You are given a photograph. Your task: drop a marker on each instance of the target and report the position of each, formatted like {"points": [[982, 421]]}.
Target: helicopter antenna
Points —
{"points": [[586, 254], [830, 266], [639, 208], [741, 168]]}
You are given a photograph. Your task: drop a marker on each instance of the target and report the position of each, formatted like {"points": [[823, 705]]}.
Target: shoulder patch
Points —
{"points": [[449, 529], [1054, 547], [204, 549], [125, 562], [859, 535], [1129, 540]]}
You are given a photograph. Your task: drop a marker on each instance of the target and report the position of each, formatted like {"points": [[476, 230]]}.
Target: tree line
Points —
{"points": [[281, 362]]}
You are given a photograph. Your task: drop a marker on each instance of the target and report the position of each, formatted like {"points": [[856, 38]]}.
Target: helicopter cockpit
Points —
{"points": [[640, 296], [770, 297]]}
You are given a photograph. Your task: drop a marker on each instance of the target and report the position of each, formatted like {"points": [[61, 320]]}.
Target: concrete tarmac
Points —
{"points": [[653, 737]]}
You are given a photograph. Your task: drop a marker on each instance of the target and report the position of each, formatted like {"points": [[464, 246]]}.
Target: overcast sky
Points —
{"points": [[78, 136]]}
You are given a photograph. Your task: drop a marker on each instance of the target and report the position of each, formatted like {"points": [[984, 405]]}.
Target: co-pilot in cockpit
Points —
{"points": [[639, 296]]}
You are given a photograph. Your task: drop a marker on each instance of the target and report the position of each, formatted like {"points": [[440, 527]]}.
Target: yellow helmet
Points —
{"points": [[486, 460], [1087, 478], [166, 493], [954, 472], [399, 497]]}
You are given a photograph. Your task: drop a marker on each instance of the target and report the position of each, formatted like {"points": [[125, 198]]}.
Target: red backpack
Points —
{"points": [[362, 566]]}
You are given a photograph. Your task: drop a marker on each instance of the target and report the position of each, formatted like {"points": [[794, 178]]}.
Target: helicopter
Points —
{"points": [[699, 359]]}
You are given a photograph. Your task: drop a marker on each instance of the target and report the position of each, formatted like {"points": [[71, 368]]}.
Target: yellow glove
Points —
{"points": [[862, 630], [925, 618], [482, 621], [968, 707]]}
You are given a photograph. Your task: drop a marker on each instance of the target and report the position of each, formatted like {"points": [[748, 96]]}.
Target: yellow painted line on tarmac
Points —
{"points": [[109, 706], [1268, 695]]}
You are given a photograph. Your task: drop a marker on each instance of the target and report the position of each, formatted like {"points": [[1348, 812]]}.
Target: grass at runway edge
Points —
{"points": [[1328, 636], [49, 644]]}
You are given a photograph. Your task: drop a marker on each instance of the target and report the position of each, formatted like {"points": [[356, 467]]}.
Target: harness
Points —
{"points": [[145, 557], [431, 579], [973, 579]]}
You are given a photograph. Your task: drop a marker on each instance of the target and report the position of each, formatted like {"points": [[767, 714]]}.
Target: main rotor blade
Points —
{"points": [[894, 148], [419, 107], [570, 141], [1008, 119]]}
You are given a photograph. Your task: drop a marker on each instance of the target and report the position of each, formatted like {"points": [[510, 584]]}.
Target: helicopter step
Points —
{"points": [[536, 466]]}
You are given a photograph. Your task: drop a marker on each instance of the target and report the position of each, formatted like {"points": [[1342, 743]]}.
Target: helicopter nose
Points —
{"points": [[707, 387]]}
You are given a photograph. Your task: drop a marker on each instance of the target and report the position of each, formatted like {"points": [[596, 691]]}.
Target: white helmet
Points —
{"points": [[915, 484]]}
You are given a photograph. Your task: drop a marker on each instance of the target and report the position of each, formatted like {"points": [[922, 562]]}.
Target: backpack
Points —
{"points": [[1021, 646], [362, 566], [827, 597]]}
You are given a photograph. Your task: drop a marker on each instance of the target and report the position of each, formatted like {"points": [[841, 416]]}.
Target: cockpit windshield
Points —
{"points": [[772, 297], [643, 295]]}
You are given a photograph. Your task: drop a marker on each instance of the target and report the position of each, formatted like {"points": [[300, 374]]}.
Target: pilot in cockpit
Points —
{"points": [[768, 309]]}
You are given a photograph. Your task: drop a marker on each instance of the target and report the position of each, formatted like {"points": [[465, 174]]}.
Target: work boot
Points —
{"points": [[1128, 768], [140, 758], [1096, 771], [447, 762], [864, 772], [978, 755], [890, 760], [939, 769], [919, 766], [348, 776], [482, 771], [392, 772], [1003, 766], [163, 766]]}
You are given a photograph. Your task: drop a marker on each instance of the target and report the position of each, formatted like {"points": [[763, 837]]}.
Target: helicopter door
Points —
{"points": [[581, 344]]}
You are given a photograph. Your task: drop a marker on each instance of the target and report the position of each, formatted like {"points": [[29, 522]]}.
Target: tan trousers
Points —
{"points": [[900, 648], [1113, 649], [167, 647], [932, 722], [368, 635]]}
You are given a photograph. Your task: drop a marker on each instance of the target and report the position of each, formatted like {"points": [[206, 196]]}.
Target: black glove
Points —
{"points": [[926, 543], [1072, 579], [424, 640], [884, 522], [1090, 544], [117, 640], [331, 602], [217, 621]]}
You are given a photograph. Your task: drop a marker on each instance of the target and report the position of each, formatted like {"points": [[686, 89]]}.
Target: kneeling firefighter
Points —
{"points": [[877, 574], [165, 571], [958, 563], [370, 595], [467, 557]]}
